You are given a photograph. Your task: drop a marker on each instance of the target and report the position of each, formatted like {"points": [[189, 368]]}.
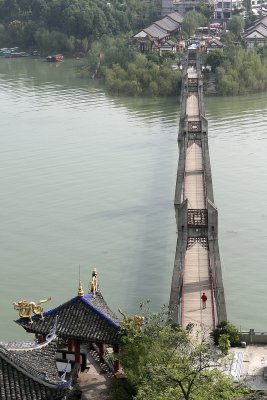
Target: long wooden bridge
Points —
{"points": [[197, 266]]}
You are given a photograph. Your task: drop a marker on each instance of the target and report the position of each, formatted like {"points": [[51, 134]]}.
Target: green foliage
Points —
{"points": [[236, 25], [227, 38], [122, 390], [226, 330], [224, 343], [54, 40], [241, 71], [76, 19], [128, 72], [205, 9], [192, 20], [215, 59], [164, 361]]}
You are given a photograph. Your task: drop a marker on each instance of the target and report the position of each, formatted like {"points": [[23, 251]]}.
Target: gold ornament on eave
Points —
{"points": [[28, 308]]}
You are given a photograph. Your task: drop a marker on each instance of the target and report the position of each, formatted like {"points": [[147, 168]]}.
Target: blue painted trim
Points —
{"points": [[100, 313]]}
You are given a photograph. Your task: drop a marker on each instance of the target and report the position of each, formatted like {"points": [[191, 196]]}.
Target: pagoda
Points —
{"points": [[82, 321]]}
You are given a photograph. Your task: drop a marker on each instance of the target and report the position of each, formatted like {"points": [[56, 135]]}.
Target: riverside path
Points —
{"points": [[197, 266]]}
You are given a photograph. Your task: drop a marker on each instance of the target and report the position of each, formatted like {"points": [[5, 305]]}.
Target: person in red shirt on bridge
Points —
{"points": [[204, 299]]}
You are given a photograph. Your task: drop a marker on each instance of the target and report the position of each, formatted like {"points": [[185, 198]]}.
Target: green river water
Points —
{"points": [[88, 179]]}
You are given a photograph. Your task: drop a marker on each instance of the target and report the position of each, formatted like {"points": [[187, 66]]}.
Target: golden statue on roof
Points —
{"points": [[93, 283], [28, 308], [135, 321]]}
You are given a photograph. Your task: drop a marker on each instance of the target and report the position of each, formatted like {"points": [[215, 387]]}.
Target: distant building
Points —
{"points": [[214, 44], [181, 6], [166, 7], [159, 33], [223, 8], [169, 46], [256, 35]]}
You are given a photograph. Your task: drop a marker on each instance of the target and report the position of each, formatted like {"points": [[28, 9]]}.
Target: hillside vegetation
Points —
{"points": [[69, 25]]}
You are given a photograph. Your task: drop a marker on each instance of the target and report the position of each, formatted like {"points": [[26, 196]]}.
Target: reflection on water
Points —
{"points": [[88, 179]]}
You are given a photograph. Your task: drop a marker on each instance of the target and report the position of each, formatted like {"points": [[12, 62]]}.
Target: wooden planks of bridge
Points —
{"points": [[197, 266]]}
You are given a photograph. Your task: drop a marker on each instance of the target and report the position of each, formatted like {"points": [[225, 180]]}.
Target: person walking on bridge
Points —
{"points": [[204, 299]]}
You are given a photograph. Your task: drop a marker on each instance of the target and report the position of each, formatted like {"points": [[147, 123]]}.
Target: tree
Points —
{"points": [[206, 9], [226, 329], [215, 59], [227, 38], [164, 361], [236, 25], [191, 21]]}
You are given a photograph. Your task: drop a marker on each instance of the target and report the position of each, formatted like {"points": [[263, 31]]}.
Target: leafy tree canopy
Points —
{"points": [[162, 361], [236, 25], [215, 59], [192, 20], [89, 19], [242, 71]]}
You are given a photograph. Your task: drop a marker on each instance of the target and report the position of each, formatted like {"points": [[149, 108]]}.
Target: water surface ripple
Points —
{"points": [[88, 179]]}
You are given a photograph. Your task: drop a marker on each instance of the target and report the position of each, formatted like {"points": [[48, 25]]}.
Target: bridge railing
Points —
{"points": [[194, 126], [197, 218], [218, 290], [192, 84]]}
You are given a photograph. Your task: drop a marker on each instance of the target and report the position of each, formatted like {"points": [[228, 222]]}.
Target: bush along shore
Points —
{"points": [[126, 71], [102, 32]]}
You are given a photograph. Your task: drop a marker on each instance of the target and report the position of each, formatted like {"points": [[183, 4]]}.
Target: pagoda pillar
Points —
{"points": [[40, 338], [77, 351], [102, 349], [70, 345], [116, 363]]}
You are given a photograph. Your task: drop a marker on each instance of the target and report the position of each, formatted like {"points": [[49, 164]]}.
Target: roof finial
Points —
{"points": [[93, 283], [80, 288]]}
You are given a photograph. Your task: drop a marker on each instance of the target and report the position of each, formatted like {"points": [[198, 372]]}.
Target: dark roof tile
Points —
{"points": [[85, 318], [29, 374]]}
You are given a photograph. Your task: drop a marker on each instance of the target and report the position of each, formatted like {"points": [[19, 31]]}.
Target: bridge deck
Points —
{"points": [[192, 107], [197, 264], [194, 178], [196, 280]]}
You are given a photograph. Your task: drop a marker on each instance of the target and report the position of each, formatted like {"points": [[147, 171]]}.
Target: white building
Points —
{"points": [[223, 8]]}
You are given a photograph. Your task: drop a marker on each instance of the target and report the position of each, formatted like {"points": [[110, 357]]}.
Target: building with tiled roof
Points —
{"points": [[175, 16], [169, 45], [214, 44], [28, 372], [160, 31], [256, 35], [84, 319], [168, 24], [153, 32]]}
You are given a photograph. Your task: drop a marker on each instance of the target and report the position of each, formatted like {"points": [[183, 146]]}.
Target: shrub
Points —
{"points": [[225, 330]]}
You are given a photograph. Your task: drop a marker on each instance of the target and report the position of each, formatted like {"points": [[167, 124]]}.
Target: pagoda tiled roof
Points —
{"points": [[175, 16], [156, 31], [30, 373], [85, 318], [168, 24]]}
